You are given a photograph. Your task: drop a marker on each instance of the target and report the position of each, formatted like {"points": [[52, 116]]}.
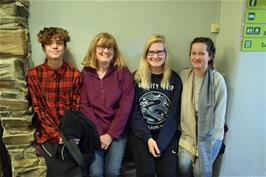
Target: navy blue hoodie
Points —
{"points": [[156, 111]]}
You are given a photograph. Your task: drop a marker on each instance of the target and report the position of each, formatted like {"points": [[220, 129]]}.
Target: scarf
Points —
{"points": [[189, 139], [205, 124]]}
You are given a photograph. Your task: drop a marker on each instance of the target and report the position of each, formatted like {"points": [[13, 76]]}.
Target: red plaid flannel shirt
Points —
{"points": [[52, 92]]}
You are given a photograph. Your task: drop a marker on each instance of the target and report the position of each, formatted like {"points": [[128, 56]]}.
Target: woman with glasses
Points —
{"points": [[107, 95], [203, 111], [155, 115]]}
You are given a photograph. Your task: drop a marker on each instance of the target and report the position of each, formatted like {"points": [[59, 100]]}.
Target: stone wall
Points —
{"points": [[15, 112]]}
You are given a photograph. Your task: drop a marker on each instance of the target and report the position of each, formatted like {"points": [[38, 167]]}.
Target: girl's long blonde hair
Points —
{"points": [[106, 39], [143, 73]]}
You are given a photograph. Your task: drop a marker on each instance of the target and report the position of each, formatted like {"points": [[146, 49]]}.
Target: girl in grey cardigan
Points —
{"points": [[203, 108]]}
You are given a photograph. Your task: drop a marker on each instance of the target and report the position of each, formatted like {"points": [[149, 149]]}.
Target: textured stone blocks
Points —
{"points": [[13, 105], [10, 122], [15, 9], [18, 139], [15, 111], [11, 69], [12, 42]]}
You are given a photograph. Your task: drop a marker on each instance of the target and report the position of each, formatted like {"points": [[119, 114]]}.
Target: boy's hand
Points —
{"points": [[61, 141]]}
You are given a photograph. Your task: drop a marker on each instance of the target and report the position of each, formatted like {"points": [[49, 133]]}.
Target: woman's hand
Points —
{"points": [[153, 148], [106, 140]]}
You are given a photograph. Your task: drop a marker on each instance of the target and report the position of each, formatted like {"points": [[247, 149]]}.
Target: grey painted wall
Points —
{"points": [[131, 22]]}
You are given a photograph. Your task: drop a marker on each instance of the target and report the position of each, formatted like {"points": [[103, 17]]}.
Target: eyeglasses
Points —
{"points": [[108, 47], [158, 52]]}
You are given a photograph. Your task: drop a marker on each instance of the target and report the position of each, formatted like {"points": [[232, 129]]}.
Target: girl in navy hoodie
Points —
{"points": [[156, 111]]}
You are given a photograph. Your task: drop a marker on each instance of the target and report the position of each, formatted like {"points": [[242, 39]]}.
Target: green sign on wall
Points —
{"points": [[254, 31], [261, 4], [256, 16], [254, 44]]}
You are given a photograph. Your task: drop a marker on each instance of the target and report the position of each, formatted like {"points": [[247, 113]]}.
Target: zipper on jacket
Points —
{"points": [[62, 152], [46, 151]]}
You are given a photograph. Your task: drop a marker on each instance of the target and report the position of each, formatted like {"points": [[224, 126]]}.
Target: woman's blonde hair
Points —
{"points": [[108, 40], [143, 73]]}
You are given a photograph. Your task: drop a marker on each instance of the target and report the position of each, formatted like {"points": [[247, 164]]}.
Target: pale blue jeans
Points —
{"points": [[108, 163], [185, 166]]}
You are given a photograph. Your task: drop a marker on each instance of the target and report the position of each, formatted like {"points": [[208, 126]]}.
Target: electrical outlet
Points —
{"points": [[215, 28]]}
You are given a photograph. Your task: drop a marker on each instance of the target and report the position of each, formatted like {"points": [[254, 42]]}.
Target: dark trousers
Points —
{"points": [[147, 165], [57, 167], [6, 164]]}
